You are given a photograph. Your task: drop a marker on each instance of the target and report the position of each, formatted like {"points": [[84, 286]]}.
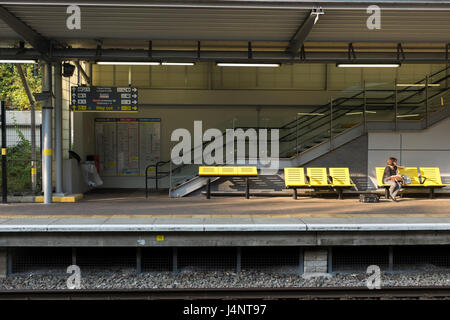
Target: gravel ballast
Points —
{"points": [[245, 279]]}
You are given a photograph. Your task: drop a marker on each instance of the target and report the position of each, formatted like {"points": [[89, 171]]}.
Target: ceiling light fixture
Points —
{"points": [[417, 85], [234, 64], [178, 63], [407, 115], [309, 114], [368, 65], [358, 112], [18, 61], [128, 63]]}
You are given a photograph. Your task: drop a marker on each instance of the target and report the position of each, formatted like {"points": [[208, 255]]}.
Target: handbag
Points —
{"points": [[406, 179]]}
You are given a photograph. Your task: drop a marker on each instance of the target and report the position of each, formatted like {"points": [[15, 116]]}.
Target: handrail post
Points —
{"points": [[170, 177], [365, 107], [395, 105], [426, 103], [296, 134], [331, 123], [146, 182]]}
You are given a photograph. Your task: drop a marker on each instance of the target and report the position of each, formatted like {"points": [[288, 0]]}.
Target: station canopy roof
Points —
{"points": [[413, 31]]}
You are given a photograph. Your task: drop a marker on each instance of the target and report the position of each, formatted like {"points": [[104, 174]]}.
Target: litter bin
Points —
{"points": [[90, 174]]}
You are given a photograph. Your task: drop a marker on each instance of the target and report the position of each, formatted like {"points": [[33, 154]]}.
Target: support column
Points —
{"points": [[315, 260], [3, 262], [33, 126], [57, 80], [47, 135]]}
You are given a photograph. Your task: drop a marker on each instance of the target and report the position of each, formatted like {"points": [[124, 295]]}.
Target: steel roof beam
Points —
{"points": [[223, 56], [303, 31], [41, 44], [249, 4], [83, 72]]}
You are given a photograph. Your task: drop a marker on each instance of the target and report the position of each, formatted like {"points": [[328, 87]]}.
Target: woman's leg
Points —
{"points": [[395, 189]]}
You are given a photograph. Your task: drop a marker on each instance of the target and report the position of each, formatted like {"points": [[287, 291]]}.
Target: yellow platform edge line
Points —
{"points": [[67, 199]]}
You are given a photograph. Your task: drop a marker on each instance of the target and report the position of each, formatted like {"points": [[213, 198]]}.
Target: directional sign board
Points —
{"points": [[104, 99]]}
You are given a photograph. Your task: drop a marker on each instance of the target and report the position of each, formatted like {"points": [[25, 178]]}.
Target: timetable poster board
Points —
{"points": [[150, 142], [106, 146], [126, 146]]}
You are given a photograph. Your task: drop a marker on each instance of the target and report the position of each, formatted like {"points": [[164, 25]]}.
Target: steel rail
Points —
{"points": [[430, 292]]}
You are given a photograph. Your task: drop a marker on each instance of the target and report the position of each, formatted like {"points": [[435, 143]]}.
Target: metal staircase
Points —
{"points": [[340, 121]]}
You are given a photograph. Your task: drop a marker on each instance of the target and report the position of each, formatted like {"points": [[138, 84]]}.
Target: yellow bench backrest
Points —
{"points": [[294, 177], [208, 171], [247, 171], [340, 176], [317, 176], [227, 171], [432, 175], [412, 173], [380, 172]]}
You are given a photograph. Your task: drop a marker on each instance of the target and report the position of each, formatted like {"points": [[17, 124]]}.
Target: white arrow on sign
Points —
{"points": [[134, 95], [134, 89]]}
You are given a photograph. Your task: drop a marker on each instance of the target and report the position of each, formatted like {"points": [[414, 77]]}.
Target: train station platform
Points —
{"points": [[129, 219]]}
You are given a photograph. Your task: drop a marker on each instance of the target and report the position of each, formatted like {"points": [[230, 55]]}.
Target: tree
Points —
{"points": [[11, 88]]}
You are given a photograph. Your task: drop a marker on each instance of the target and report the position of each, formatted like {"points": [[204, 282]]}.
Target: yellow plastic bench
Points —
{"points": [[340, 180], [294, 178], [317, 177], [434, 179], [227, 171], [431, 178]]}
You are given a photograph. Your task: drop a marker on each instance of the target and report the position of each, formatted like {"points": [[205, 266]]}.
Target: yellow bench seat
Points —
{"points": [[227, 171]]}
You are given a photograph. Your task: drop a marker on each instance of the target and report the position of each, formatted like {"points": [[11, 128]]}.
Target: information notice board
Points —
{"points": [[126, 146]]}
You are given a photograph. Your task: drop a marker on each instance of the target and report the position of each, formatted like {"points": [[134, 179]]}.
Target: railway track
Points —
{"points": [[394, 293]]}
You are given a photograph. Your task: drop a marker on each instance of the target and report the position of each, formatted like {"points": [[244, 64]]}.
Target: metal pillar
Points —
{"points": [[175, 260], [238, 259], [331, 123], [396, 105], [47, 134], [138, 260], [4, 169], [58, 127], [296, 134], [427, 121], [330, 260], [301, 261], [365, 106], [391, 259], [33, 126]]}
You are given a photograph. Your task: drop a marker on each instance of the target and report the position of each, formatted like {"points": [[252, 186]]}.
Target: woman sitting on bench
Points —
{"points": [[392, 177]]}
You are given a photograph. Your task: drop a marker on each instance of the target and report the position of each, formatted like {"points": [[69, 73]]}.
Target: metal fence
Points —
{"points": [[20, 169], [106, 260], [421, 258], [346, 259], [207, 259], [39, 260], [230, 259], [271, 259]]}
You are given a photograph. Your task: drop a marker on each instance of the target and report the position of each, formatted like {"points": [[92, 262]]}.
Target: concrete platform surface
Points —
{"points": [[130, 211]]}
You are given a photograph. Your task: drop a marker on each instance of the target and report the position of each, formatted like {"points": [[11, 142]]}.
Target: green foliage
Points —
{"points": [[11, 88], [19, 166]]}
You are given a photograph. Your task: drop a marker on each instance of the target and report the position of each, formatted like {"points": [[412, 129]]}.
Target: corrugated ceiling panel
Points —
{"points": [[121, 23], [396, 26], [168, 24]]}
